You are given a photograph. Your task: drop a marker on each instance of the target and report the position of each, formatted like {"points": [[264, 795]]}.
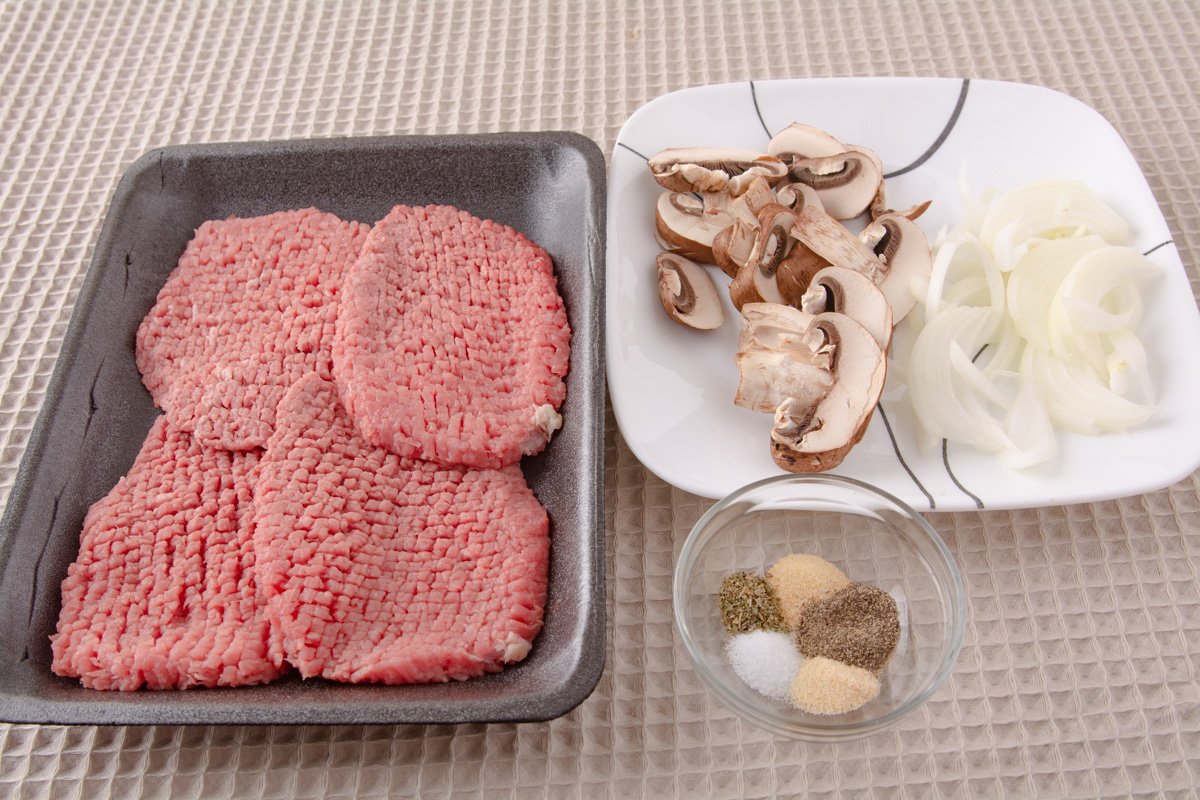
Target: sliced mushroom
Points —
{"points": [[845, 291], [915, 211], [687, 293], [846, 182], [879, 206], [780, 356], [731, 247], [816, 436], [830, 240], [682, 222], [798, 141], [871, 154], [797, 271], [797, 195], [903, 248], [713, 169], [756, 281], [758, 195]]}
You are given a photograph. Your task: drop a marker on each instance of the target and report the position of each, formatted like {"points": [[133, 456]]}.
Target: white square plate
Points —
{"points": [[672, 388]]}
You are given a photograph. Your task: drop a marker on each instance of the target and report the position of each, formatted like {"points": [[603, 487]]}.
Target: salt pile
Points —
{"points": [[766, 661]]}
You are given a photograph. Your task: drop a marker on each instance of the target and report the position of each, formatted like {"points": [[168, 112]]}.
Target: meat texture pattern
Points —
{"points": [[250, 308], [452, 341], [378, 568], [163, 594]]}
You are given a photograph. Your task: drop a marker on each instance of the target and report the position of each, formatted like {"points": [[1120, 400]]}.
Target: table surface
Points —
{"points": [[1079, 671]]}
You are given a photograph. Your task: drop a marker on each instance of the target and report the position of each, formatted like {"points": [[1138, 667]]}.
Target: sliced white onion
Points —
{"points": [[974, 378], [1046, 210], [1128, 370], [1077, 400], [964, 273], [1028, 323], [1003, 354], [1034, 283], [1098, 295], [1029, 429], [945, 405]]}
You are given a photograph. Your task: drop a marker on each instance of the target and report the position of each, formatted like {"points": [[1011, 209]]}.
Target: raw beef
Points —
{"points": [[163, 591], [250, 308], [383, 569], [452, 341]]}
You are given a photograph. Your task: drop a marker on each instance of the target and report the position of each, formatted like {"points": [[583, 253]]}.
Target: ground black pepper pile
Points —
{"points": [[859, 625]]}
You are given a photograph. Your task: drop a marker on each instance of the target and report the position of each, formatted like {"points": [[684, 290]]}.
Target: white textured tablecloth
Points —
{"points": [[1079, 673]]}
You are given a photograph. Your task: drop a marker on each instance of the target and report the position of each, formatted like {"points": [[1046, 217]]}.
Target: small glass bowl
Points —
{"points": [[872, 537]]}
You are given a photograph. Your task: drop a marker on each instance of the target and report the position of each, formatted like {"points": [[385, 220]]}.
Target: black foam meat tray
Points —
{"points": [[549, 186]]}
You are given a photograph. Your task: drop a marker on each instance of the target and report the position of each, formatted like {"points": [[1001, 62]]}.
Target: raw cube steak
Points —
{"points": [[250, 308], [382, 569], [163, 591], [452, 340]]}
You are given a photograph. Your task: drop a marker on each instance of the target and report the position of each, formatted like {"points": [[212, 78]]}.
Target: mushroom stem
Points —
{"points": [[780, 355]]}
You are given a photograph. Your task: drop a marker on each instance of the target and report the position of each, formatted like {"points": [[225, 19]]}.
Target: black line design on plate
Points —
{"points": [[937, 143], [630, 149], [761, 121], [895, 447], [950, 472], [1159, 245]]}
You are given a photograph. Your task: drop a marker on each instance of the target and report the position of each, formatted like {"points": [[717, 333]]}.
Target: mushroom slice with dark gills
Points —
{"points": [[688, 225], [780, 356], [713, 169], [907, 258], [853, 294], [846, 177], [687, 293], [757, 280], [846, 182], [814, 436]]}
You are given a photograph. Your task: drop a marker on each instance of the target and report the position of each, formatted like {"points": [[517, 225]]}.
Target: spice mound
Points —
{"points": [[858, 626], [765, 661], [825, 686], [808, 636], [802, 579], [749, 603]]}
